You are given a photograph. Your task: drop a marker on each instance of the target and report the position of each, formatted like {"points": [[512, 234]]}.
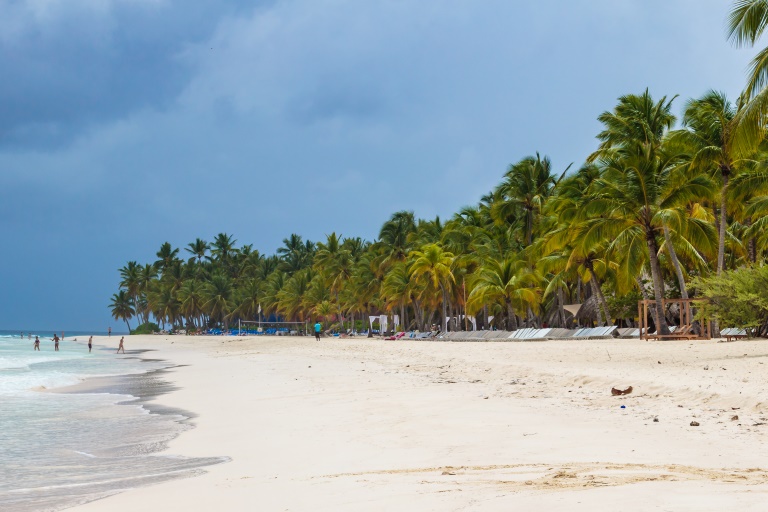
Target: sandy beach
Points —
{"points": [[363, 424]]}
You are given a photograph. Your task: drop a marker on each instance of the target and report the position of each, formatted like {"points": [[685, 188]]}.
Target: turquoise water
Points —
{"points": [[61, 449]]}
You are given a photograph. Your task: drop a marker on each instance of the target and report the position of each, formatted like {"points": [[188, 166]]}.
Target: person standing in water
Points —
{"points": [[90, 344], [121, 347], [109, 332], [55, 342], [37, 343]]}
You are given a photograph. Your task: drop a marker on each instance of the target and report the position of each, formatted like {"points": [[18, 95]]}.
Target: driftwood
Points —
{"points": [[617, 392]]}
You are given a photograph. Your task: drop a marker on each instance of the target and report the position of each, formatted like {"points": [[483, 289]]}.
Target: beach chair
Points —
{"points": [[605, 332], [561, 334], [537, 335]]}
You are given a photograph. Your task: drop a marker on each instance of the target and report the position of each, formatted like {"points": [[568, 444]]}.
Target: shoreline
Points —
{"points": [[368, 424], [102, 435]]}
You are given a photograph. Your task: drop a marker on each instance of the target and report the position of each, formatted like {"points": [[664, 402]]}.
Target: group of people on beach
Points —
{"points": [[56, 340]]}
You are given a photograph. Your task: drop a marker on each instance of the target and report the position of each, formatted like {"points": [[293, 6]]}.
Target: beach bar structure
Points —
{"points": [[684, 331]]}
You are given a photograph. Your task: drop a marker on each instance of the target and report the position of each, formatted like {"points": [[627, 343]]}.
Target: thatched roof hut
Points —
{"points": [[588, 310]]}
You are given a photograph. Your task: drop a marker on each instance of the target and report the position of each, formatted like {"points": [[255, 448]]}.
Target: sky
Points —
{"points": [[128, 123]]}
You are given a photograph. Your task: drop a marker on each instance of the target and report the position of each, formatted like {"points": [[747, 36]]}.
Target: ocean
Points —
{"points": [[60, 449]]}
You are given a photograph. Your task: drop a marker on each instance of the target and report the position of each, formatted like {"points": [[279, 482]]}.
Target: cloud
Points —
{"points": [[77, 63], [128, 123]]}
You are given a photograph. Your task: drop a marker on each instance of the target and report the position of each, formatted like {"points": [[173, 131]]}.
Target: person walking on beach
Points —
{"points": [[318, 328], [37, 343], [55, 342], [121, 347], [90, 344]]}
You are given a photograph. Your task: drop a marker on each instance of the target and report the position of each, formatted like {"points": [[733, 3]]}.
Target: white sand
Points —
{"points": [[359, 425]]}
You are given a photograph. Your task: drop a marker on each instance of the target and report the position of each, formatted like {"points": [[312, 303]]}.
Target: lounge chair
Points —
{"points": [[536, 335]]}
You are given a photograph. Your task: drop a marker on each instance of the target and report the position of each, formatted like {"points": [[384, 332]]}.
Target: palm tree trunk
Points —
{"points": [[751, 244], [658, 283], [560, 307], [485, 317], [598, 306], [725, 172], [511, 323], [444, 320], [675, 263], [127, 325]]}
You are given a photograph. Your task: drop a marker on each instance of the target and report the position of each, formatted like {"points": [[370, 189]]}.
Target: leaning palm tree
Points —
{"points": [[122, 307]]}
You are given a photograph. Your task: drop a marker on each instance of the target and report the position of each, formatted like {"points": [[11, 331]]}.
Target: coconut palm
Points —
{"points": [[218, 297], [508, 283], [198, 248], [434, 265], [522, 193], [166, 255], [713, 141], [394, 236], [122, 307], [747, 22], [625, 200]]}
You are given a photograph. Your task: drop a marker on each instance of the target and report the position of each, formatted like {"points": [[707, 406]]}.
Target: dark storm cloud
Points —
{"points": [[128, 123], [67, 66]]}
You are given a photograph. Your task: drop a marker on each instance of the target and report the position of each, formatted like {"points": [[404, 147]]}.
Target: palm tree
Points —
{"points": [[522, 194], [624, 201], [166, 255], [713, 141], [190, 297], [394, 236], [222, 249], [747, 22], [509, 283], [122, 307], [218, 294], [434, 266], [198, 248], [130, 279]]}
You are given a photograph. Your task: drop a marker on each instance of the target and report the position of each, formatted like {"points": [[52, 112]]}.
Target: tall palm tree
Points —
{"points": [[624, 201], [191, 299], [223, 248], [522, 193], [394, 236], [713, 140], [218, 298], [434, 265], [122, 307], [198, 248]]}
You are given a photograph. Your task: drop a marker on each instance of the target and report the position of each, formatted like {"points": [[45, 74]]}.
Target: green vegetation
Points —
{"points": [[657, 207], [737, 297], [146, 328]]}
